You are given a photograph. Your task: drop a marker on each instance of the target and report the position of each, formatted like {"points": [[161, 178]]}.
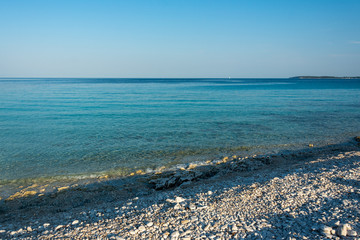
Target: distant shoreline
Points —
{"points": [[323, 77]]}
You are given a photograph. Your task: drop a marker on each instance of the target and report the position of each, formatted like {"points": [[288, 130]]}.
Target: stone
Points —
{"points": [[357, 138], [234, 228], [351, 233], [142, 228], [46, 225], [342, 230], [175, 234], [179, 199], [327, 230], [75, 222], [183, 222], [2, 231], [192, 207], [150, 224], [29, 229], [58, 227]]}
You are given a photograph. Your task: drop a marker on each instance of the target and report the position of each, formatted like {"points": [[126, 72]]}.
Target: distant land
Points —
{"points": [[324, 77]]}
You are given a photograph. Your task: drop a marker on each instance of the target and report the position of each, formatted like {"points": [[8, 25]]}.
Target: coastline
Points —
{"points": [[184, 196]]}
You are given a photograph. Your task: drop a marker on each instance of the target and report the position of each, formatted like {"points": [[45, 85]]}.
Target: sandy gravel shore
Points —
{"points": [[297, 195]]}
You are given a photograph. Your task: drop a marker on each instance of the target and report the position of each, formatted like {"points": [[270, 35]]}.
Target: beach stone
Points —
{"points": [[357, 138], [46, 225], [183, 222], [179, 199], [186, 238], [327, 230], [342, 230], [29, 229], [150, 224], [175, 234], [192, 207], [2, 231], [58, 227], [75, 222], [142, 229], [351, 233]]}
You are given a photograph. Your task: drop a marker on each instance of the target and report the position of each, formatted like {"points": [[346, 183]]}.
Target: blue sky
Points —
{"points": [[278, 38]]}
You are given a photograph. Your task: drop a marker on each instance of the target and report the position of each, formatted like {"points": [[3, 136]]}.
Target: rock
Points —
{"points": [[186, 238], [192, 206], [183, 222], [351, 233], [2, 231], [175, 234], [357, 138], [179, 199], [327, 230], [75, 222], [234, 228], [46, 225], [150, 224], [142, 228], [29, 229], [342, 230], [58, 227]]}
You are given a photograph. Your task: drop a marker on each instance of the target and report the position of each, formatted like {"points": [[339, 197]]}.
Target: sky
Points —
{"points": [[179, 39]]}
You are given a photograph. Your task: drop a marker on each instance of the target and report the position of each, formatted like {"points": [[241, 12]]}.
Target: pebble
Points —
{"points": [[58, 227], [275, 203], [179, 199], [142, 229], [75, 222], [175, 234]]}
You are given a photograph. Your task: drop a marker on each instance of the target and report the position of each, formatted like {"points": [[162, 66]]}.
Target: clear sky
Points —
{"points": [[184, 38]]}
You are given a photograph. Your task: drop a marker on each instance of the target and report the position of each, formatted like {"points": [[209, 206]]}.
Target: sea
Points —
{"points": [[63, 128]]}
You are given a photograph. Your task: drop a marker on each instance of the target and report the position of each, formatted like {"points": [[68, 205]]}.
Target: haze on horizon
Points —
{"points": [[148, 38]]}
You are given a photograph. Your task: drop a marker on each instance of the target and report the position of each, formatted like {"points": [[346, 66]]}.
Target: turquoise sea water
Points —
{"points": [[77, 127]]}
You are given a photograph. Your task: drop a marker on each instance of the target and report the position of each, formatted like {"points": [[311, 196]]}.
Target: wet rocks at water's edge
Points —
{"points": [[315, 199], [195, 172]]}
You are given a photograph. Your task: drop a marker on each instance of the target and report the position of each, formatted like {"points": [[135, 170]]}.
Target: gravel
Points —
{"points": [[312, 196]]}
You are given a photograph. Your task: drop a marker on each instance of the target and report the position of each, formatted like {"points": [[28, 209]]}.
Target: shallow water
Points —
{"points": [[77, 127]]}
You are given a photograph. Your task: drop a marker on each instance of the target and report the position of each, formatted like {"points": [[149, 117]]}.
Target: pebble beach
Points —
{"points": [[312, 194]]}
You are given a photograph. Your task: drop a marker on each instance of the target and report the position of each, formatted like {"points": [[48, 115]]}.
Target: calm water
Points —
{"points": [[62, 127]]}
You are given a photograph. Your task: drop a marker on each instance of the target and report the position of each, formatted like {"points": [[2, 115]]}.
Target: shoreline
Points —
{"points": [[40, 186], [76, 209]]}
